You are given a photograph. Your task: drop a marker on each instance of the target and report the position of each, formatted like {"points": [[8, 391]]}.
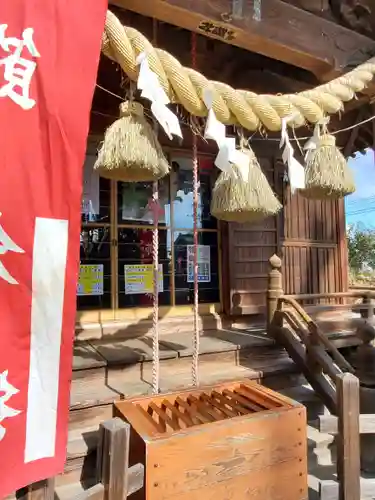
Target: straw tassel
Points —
{"points": [[327, 175], [235, 199], [131, 151]]}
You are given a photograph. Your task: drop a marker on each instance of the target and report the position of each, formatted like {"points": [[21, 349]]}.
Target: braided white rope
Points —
{"points": [[196, 336], [155, 309]]}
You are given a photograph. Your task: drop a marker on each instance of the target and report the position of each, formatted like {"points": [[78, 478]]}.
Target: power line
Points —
{"points": [[362, 211], [360, 204]]}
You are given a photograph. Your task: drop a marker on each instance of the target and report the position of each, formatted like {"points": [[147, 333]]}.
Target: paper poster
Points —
{"points": [[90, 193], [204, 264], [139, 279], [90, 280]]}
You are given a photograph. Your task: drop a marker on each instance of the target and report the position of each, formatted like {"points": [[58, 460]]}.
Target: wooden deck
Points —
{"points": [[105, 371], [108, 370]]}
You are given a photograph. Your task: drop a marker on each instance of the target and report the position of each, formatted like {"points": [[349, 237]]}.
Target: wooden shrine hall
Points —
{"points": [[270, 48]]}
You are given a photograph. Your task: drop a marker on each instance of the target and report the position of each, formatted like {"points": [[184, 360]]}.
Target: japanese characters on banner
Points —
{"points": [[204, 263], [140, 278], [48, 66]]}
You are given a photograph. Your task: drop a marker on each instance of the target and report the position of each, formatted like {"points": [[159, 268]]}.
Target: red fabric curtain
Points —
{"points": [[49, 53]]}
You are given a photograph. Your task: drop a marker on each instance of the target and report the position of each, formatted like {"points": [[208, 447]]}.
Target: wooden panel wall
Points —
{"points": [[311, 245], [308, 235]]}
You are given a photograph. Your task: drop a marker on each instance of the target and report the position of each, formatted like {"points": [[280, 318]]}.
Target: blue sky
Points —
{"points": [[360, 206]]}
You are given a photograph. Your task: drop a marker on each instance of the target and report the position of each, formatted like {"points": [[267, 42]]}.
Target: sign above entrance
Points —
{"points": [[216, 29]]}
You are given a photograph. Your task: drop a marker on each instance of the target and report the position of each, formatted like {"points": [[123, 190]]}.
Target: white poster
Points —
{"points": [[90, 194], [140, 279], [204, 263]]}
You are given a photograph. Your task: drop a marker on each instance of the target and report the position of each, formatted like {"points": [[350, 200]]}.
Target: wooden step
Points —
{"points": [[142, 327], [80, 468], [108, 371], [104, 370], [86, 415]]}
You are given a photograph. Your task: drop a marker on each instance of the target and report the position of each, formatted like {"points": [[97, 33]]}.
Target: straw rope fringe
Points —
{"points": [[232, 107]]}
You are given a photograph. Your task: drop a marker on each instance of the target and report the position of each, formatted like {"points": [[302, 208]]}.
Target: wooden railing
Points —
{"points": [[115, 479], [292, 323], [293, 326], [347, 426], [357, 299]]}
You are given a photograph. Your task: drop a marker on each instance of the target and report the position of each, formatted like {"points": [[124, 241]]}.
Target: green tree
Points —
{"points": [[361, 248]]}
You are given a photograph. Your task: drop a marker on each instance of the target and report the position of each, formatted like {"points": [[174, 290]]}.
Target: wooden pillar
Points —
{"points": [[275, 289]]}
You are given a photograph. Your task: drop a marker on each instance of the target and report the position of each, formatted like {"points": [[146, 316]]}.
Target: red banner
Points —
{"points": [[49, 53]]}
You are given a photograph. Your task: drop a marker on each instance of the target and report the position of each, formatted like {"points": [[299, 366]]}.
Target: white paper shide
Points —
{"points": [[151, 89], [296, 172], [228, 154]]}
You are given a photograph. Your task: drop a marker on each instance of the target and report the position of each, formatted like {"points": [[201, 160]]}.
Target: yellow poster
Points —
{"points": [[90, 280], [139, 279]]}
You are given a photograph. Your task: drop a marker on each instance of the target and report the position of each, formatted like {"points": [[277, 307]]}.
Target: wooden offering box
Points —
{"points": [[233, 441]]}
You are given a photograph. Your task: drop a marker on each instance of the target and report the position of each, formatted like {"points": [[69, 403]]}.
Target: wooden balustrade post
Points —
{"points": [[274, 291], [113, 458], [367, 312], [348, 448]]}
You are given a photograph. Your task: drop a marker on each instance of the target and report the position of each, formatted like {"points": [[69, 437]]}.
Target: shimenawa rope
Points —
{"points": [[232, 107]]}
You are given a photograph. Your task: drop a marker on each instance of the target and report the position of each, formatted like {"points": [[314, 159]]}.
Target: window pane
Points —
{"points": [[134, 203], [95, 250], [135, 252], [182, 193], [96, 197], [208, 269]]}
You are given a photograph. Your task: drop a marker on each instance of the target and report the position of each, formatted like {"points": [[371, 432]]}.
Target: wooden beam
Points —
{"points": [[42, 490], [329, 489], [285, 32], [317, 381], [96, 492], [328, 424]]}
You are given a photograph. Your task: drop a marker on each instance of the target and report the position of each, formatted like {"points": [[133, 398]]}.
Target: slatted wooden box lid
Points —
{"points": [[231, 441]]}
